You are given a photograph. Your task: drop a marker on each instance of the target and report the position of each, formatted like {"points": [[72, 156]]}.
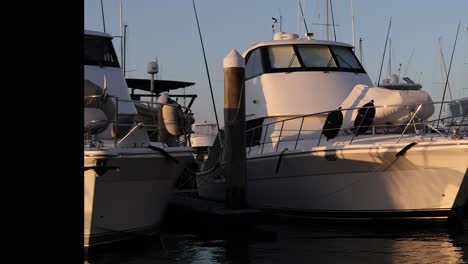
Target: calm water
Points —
{"points": [[306, 242]]}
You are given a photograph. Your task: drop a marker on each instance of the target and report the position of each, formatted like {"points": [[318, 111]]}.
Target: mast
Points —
{"points": [[448, 74], [207, 73], [443, 69], [389, 57], [385, 48]]}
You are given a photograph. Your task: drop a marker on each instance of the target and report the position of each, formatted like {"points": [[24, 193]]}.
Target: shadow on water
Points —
{"points": [[302, 241]]}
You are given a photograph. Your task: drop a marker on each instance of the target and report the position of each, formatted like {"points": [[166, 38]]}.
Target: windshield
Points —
{"points": [[283, 57], [306, 57], [316, 56], [345, 57], [99, 51]]}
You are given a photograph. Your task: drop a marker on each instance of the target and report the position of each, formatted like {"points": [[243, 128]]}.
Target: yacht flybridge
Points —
{"points": [[127, 177], [323, 141]]}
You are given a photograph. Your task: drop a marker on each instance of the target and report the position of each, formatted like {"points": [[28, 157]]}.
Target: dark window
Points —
{"points": [[253, 136], [283, 56], [99, 51], [306, 57], [316, 56], [254, 64], [346, 58]]}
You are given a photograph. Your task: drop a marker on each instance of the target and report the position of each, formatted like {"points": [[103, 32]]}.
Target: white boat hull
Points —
{"points": [[128, 202], [355, 182]]}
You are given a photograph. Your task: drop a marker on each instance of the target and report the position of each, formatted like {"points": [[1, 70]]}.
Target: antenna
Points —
{"points": [[121, 34], [333, 20], [281, 23], [103, 20], [273, 25], [280, 20], [326, 8], [448, 74], [360, 51], [352, 21], [385, 48], [152, 68], [124, 49], [303, 18], [207, 72]]}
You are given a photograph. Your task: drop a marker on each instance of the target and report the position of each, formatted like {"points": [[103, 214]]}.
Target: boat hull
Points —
{"points": [[128, 202], [426, 181]]}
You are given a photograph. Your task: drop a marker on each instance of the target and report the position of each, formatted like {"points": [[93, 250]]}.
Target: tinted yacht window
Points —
{"points": [[283, 57], [346, 58], [254, 65], [99, 51], [316, 56]]}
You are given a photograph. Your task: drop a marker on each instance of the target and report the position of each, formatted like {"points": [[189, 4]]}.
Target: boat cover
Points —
{"points": [[407, 101]]}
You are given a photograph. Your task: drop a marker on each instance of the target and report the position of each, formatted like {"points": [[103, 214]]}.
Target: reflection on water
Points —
{"points": [[303, 243]]}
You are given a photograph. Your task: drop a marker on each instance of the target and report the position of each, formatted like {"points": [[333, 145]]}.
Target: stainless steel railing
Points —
{"points": [[110, 106], [282, 131]]}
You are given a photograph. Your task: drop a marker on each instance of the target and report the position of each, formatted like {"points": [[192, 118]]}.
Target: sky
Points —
{"points": [[167, 30]]}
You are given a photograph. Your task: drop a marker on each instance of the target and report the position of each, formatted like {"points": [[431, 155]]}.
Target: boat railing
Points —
{"points": [[289, 132], [109, 105]]}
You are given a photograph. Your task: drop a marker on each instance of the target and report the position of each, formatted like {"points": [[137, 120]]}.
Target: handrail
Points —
{"points": [[412, 117], [273, 137], [115, 121]]}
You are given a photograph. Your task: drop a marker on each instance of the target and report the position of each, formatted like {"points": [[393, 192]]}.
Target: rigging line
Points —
{"points": [[409, 61], [241, 94], [448, 74], [445, 70], [333, 19], [207, 73], [385, 49]]}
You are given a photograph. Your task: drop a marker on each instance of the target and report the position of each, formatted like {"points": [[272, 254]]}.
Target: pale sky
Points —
{"points": [[168, 30]]}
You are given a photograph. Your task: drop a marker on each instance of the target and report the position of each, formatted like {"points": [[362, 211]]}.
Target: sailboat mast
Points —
{"points": [[443, 69], [389, 57], [448, 74]]}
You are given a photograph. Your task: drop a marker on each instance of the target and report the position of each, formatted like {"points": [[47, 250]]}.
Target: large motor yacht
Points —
{"points": [[127, 178], [323, 141]]}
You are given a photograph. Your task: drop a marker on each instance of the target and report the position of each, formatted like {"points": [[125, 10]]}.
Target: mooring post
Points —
{"points": [[234, 129]]}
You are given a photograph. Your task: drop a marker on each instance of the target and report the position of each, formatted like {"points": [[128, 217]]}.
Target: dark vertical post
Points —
{"points": [[234, 129]]}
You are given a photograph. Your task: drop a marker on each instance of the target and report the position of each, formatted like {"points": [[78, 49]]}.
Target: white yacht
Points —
{"points": [[323, 142], [127, 178]]}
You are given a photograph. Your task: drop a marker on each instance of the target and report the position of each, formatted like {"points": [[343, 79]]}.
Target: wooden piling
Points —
{"points": [[234, 129]]}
